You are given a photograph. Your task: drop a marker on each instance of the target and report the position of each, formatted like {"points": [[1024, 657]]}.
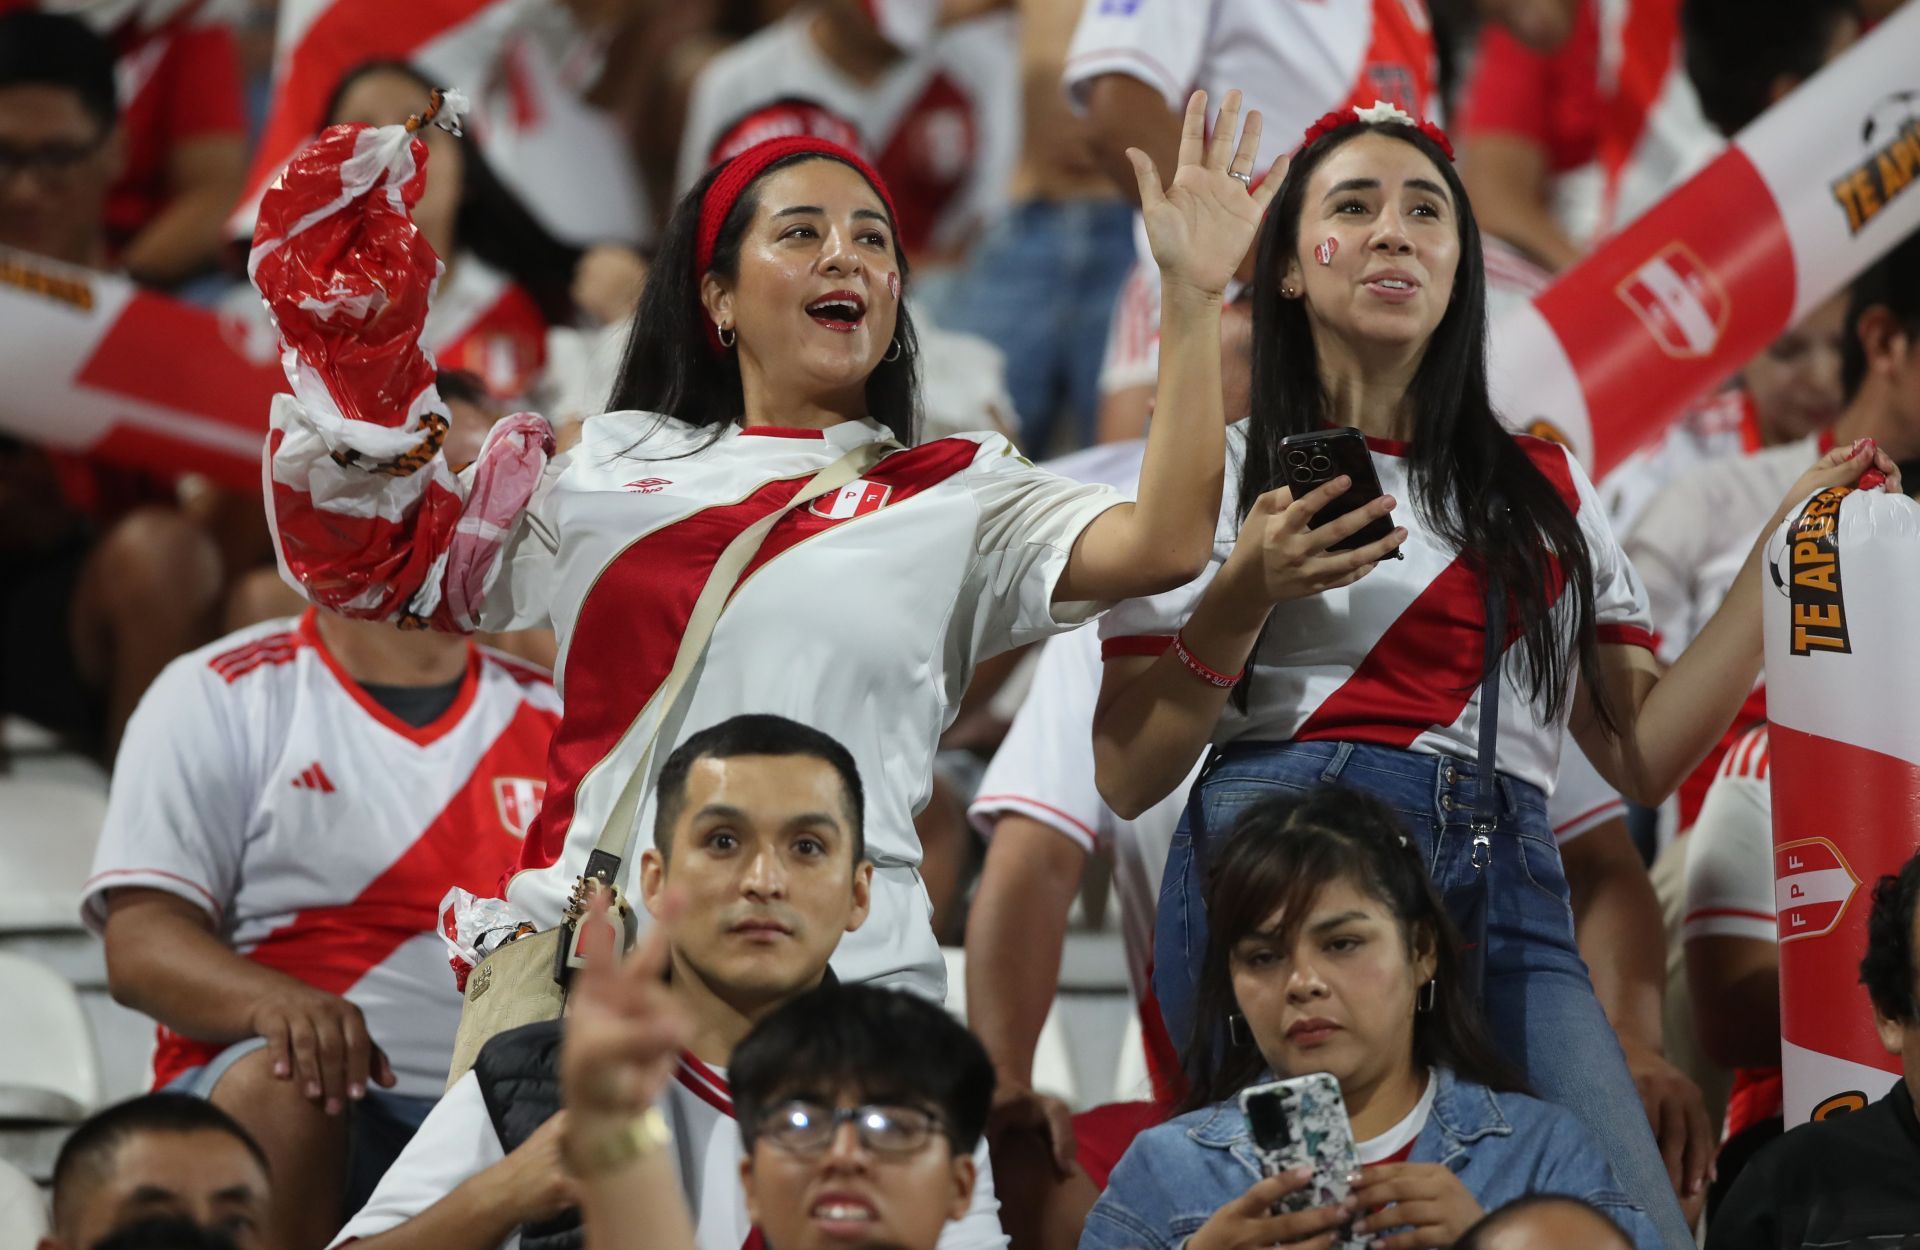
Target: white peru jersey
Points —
{"points": [[259, 782], [1395, 658], [458, 1142], [863, 614]]}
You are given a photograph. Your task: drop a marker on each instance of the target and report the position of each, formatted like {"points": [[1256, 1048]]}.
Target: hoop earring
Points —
{"points": [[1429, 994], [893, 352], [726, 334], [1237, 1031]]}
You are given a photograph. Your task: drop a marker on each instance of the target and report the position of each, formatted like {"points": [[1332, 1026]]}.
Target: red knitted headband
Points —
{"points": [[739, 173], [1380, 111]]}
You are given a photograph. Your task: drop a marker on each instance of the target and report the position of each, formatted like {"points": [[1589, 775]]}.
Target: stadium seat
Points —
{"points": [[46, 850], [1052, 1064], [49, 1072]]}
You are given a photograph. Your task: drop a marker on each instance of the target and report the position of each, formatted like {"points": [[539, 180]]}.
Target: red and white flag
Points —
{"points": [[1654, 318], [524, 66], [96, 366]]}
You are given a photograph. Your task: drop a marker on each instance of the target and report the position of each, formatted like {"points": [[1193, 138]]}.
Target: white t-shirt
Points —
{"points": [[862, 614], [319, 832], [457, 1142], [1395, 658], [942, 126], [1399, 1139], [1730, 881]]}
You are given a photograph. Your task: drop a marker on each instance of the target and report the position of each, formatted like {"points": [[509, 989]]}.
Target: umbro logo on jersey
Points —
{"points": [[648, 485], [314, 778], [856, 497]]}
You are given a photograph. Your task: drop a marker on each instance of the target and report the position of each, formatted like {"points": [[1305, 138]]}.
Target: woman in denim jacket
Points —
{"points": [[1330, 951]]}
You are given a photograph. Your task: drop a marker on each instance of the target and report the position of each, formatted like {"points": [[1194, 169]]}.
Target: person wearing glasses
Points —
{"points": [[860, 1110], [759, 866]]}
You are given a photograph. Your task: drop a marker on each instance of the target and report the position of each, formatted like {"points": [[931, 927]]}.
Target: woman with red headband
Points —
{"points": [[772, 343], [1444, 681]]}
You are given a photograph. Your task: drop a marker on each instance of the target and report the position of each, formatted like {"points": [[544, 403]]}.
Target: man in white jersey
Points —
{"points": [[290, 806], [939, 117], [759, 827]]}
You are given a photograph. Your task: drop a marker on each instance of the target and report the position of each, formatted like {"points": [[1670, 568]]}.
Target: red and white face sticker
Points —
{"points": [[893, 284], [1324, 252]]}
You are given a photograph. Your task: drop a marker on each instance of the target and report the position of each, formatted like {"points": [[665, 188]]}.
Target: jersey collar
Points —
{"points": [[424, 735]]}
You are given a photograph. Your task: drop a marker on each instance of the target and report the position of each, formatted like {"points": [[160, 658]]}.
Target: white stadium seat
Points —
{"points": [[48, 830]]}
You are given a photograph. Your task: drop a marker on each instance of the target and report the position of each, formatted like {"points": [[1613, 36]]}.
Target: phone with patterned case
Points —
{"points": [[1301, 1122]]}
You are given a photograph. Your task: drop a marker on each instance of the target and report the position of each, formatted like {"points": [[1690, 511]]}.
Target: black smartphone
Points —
{"points": [[1309, 461]]}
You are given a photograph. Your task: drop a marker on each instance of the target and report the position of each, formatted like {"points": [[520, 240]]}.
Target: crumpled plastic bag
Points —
{"points": [[345, 273], [474, 928]]}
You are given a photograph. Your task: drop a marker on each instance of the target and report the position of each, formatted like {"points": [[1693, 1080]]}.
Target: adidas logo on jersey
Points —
{"points": [[314, 778]]}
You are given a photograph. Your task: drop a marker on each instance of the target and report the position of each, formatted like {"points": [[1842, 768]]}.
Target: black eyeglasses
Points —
{"points": [[803, 1127], [51, 160]]}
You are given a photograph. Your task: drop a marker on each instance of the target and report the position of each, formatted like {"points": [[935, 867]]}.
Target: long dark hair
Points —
{"points": [[670, 366], [491, 221], [1282, 853], [1463, 463]]}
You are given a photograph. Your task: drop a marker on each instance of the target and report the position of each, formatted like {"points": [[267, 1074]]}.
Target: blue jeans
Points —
{"points": [[1040, 286], [1539, 999]]}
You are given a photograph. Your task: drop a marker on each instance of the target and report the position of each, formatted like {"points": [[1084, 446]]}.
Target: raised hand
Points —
{"points": [[1202, 225], [624, 1031]]}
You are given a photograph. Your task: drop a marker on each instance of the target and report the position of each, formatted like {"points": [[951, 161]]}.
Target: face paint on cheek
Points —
{"points": [[893, 284], [1324, 252]]}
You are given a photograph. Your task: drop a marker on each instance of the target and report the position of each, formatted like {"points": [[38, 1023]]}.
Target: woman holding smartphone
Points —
{"points": [[1302, 664], [1330, 951]]}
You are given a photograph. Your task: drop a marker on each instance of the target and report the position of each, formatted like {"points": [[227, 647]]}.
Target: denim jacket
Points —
{"points": [[1501, 1146]]}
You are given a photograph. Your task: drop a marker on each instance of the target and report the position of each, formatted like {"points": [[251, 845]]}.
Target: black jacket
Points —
{"points": [[519, 1073], [1847, 1183]]}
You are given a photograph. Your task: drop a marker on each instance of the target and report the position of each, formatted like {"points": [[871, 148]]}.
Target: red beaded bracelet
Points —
{"points": [[1199, 668]]}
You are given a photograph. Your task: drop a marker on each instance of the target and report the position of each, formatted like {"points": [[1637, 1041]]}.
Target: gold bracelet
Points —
{"points": [[633, 1141]]}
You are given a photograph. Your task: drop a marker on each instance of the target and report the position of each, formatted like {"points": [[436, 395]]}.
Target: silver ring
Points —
{"points": [[1245, 180]]}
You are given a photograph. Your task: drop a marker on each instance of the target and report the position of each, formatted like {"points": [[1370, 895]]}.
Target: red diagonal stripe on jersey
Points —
{"points": [[1425, 669], [630, 625], [331, 948], [320, 778]]}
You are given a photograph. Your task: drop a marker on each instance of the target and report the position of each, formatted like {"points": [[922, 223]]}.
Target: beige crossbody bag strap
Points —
{"points": [[622, 828]]}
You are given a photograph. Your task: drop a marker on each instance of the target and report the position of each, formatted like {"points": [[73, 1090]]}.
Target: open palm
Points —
{"points": [[1201, 226]]}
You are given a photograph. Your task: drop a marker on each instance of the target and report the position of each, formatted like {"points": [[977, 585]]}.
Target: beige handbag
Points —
{"points": [[525, 981]]}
